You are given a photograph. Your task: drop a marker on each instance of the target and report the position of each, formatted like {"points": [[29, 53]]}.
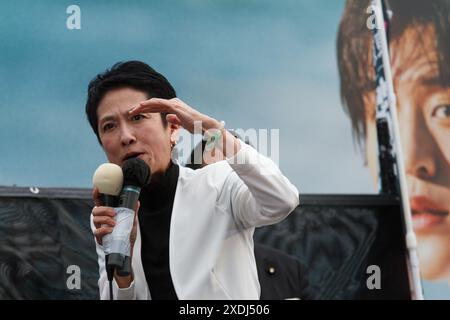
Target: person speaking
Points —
{"points": [[192, 231]]}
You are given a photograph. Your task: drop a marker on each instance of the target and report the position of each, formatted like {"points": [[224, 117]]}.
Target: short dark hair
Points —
{"points": [[354, 49], [134, 74]]}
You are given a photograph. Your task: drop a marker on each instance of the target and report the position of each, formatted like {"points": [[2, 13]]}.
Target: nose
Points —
{"points": [[418, 146], [127, 136]]}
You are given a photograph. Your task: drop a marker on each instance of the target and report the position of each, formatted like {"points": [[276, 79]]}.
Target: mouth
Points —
{"points": [[130, 155], [427, 213]]}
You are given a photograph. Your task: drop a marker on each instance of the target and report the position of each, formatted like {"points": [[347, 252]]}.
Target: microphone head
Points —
{"points": [[136, 173], [108, 178]]}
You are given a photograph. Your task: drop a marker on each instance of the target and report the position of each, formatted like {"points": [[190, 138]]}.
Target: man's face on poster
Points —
{"points": [[424, 119]]}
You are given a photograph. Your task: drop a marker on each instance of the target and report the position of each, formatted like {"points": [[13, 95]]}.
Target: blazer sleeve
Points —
{"points": [[103, 283], [256, 190]]}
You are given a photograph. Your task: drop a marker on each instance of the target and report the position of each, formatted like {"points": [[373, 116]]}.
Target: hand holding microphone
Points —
{"points": [[107, 180], [115, 216]]}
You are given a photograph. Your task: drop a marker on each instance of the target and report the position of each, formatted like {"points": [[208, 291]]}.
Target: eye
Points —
{"points": [[107, 126], [442, 111], [137, 117]]}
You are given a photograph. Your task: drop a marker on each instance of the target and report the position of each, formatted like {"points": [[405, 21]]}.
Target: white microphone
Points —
{"points": [[120, 188], [108, 179]]}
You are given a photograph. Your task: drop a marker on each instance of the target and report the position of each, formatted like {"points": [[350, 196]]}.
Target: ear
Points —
{"points": [[174, 132]]}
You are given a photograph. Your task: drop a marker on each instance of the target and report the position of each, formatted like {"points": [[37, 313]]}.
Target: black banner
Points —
{"points": [[342, 241]]}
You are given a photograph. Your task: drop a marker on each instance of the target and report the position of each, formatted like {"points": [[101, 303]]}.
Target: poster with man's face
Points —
{"points": [[419, 57]]}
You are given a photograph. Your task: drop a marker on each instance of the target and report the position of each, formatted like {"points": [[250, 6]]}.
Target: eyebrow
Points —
{"points": [[436, 81], [107, 118], [113, 117]]}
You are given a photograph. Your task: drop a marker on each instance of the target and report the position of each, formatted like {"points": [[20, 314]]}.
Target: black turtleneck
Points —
{"points": [[154, 221]]}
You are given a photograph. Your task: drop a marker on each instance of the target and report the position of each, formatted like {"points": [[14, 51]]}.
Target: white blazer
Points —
{"points": [[215, 212]]}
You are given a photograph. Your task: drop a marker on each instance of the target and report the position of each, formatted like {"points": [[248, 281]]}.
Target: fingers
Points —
{"points": [[138, 206], [96, 197], [173, 118], [101, 221], [168, 103], [103, 211], [154, 105], [136, 213], [133, 233], [101, 232]]}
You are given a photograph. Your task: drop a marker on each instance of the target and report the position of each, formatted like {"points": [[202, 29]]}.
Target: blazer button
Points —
{"points": [[271, 270]]}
